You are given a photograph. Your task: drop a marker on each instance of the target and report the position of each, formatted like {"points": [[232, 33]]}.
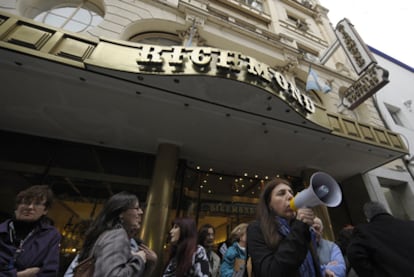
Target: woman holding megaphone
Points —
{"points": [[279, 242]]}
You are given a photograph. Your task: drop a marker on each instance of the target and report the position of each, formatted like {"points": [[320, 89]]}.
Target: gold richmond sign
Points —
{"points": [[222, 63]]}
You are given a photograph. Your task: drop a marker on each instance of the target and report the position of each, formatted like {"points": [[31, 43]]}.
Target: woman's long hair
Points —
{"points": [[203, 233], [107, 219], [266, 216], [186, 245]]}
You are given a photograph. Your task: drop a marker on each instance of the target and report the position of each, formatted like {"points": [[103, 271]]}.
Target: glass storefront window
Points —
{"points": [[223, 201]]}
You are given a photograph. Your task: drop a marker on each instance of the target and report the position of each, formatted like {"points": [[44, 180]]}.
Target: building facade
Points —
{"points": [[190, 104], [393, 184]]}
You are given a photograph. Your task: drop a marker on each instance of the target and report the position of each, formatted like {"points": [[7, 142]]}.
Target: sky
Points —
{"points": [[383, 25]]}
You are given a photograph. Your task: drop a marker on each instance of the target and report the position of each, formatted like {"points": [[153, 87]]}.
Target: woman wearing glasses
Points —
{"points": [[29, 245], [108, 239]]}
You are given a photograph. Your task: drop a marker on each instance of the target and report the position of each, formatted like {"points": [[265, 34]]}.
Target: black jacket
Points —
{"points": [[383, 247], [286, 259]]}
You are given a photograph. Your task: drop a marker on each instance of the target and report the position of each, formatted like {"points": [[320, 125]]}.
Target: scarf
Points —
{"points": [[307, 268], [21, 230]]}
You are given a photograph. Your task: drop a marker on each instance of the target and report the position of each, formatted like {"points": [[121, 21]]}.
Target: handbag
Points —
{"points": [[86, 268]]}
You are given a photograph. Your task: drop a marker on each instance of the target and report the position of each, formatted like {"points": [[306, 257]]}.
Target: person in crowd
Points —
{"points": [[110, 236], [134, 244], [382, 247], [29, 244], [279, 241], [187, 258], [342, 240], [234, 261], [330, 256], [222, 248], [206, 235]]}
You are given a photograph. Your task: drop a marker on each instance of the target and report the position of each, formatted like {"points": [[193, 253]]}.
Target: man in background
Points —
{"points": [[330, 256], [382, 247]]}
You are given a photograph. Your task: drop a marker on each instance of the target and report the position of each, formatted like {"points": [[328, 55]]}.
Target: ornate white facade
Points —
{"points": [[393, 184]]}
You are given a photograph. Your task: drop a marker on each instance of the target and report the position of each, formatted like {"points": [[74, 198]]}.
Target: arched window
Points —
{"points": [[72, 17], [157, 38]]}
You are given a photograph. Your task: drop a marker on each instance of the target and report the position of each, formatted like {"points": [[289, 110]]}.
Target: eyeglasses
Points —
{"points": [[27, 202]]}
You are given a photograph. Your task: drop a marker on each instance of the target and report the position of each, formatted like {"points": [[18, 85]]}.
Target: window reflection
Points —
{"points": [[255, 4], [157, 38], [75, 19]]}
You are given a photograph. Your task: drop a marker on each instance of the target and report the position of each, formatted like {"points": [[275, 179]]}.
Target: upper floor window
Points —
{"points": [[306, 3], [157, 38], [308, 54], [255, 4], [395, 114], [74, 18], [299, 22]]}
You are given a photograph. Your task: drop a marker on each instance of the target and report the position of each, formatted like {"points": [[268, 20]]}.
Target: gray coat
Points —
{"points": [[114, 257]]}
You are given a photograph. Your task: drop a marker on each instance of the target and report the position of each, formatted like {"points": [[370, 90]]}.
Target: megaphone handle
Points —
{"points": [[306, 216], [292, 204]]}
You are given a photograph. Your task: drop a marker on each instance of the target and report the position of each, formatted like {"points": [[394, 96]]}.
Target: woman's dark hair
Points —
{"points": [[266, 216], [203, 233], [107, 219], [36, 193], [186, 245]]}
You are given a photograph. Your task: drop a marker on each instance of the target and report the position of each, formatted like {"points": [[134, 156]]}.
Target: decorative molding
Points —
{"points": [[29, 36], [350, 128], [291, 65], [71, 49], [302, 25], [2, 19], [74, 49]]}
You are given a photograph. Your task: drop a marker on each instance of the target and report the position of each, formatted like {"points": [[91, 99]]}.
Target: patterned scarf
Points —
{"points": [[306, 268]]}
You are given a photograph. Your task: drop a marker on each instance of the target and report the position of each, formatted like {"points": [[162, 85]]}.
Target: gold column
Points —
{"points": [[323, 213], [154, 226]]}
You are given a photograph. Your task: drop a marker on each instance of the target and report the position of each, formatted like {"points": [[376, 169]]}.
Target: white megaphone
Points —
{"points": [[323, 190]]}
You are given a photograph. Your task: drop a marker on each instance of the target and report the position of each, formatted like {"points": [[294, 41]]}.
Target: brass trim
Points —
{"points": [[25, 36]]}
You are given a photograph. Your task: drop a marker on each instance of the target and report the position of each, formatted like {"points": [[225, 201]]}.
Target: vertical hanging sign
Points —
{"points": [[354, 47]]}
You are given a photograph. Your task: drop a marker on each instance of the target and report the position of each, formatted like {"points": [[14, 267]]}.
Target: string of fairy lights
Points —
{"points": [[246, 184], [207, 180]]}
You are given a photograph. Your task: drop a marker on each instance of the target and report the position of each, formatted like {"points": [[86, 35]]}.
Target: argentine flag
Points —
{"points": [[313, 82]]}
